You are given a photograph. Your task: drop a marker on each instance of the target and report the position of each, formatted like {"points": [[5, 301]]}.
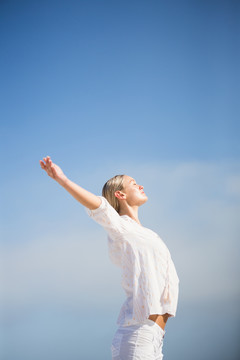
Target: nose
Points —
{"points": [[140, 187]]}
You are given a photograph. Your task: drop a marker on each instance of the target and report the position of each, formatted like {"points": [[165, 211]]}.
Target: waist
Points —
{"points": [[161, 320]]}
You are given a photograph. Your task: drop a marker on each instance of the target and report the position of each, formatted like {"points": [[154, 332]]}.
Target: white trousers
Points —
{"points": [[142, 341]]}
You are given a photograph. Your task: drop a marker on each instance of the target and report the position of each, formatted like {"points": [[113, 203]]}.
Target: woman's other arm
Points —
{"points": [[85, 197]]}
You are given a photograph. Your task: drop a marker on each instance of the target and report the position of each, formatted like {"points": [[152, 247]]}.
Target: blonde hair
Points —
{"points": [[109, 188]]}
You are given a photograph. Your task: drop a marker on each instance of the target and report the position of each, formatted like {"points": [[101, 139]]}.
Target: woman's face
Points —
{"points": [[133, 191]]}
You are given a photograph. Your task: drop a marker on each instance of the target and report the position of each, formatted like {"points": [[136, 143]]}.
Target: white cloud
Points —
{"points": [[233, 185], [58, 269]]}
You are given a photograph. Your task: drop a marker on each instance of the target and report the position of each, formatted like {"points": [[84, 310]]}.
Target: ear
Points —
{"points": [[120, 195]]}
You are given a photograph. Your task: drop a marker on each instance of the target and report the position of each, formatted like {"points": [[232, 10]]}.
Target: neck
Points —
{"points": [[131, 211]]}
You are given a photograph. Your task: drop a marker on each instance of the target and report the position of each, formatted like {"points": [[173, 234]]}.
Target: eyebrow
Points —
{"points": [[132, 180]]}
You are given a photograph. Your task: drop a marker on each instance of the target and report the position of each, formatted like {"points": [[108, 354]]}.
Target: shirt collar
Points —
{"points": [[130, 219]]}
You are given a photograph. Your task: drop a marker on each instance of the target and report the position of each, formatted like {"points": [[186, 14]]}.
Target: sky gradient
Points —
{"points": [[144, 88]]}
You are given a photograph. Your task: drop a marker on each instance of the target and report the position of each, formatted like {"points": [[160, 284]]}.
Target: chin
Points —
{"points": [[144, 200]]}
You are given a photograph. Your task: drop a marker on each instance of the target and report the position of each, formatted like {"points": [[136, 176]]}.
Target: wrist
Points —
{"points": [[62, 181]]}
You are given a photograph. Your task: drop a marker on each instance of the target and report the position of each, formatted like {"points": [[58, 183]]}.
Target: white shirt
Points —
{"points": [[149, 277]]}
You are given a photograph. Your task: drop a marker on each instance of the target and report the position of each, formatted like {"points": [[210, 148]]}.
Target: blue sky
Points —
{"points": [[146, 88]]}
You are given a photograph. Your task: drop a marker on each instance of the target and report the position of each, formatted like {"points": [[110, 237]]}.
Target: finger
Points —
{"points": [[47, 162], [42, 163]]}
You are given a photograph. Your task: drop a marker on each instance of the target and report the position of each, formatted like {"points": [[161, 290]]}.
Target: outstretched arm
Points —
{"points": [[85, 197]]}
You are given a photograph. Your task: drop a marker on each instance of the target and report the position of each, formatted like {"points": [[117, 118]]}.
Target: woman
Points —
{"points": [[149, 277]]}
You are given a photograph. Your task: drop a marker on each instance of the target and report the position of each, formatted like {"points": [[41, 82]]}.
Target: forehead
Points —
{"points": [[128, 179]]}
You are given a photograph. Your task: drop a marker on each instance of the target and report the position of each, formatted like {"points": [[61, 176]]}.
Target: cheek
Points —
{"points": [[132, 195], [136, 193]]}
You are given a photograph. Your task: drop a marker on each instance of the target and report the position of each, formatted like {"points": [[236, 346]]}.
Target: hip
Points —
{"points": [[142, 339]]}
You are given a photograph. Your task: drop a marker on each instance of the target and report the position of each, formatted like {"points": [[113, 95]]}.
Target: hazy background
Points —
{"points": [[146, 88]]}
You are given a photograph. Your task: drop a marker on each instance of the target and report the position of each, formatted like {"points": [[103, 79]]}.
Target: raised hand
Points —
{"points": [[53, 170], [85, 197]]}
